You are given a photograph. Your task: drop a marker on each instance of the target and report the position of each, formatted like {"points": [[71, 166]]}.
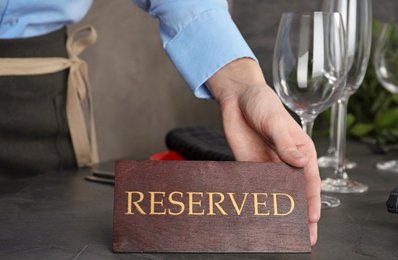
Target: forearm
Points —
{"points": [[199, 36]]}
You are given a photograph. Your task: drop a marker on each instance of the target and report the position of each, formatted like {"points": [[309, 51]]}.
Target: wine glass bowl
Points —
{"points": [[309, 98], [385, 57], [309, 63]]}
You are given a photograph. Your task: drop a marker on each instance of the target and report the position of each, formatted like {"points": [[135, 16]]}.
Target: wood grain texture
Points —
{"points": [[240, 223]]}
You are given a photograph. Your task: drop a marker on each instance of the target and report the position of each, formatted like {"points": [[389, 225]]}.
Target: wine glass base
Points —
{"points": [[329, 202], [343, 186], [391, 166], [330, 161]]}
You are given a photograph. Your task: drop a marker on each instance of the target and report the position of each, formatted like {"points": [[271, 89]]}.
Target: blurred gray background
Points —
{"points": [[138, 94]]}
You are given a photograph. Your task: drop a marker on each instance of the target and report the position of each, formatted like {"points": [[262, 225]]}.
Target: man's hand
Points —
{"points": [[258, 127]]}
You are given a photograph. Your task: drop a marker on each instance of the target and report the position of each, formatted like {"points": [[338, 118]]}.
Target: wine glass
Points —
{"points": [[309, 66], [357, 18], [330, 159], [385, 61]]}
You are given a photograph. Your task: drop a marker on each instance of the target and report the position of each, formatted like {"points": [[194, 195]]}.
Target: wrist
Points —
{"points": [[235, 79]]}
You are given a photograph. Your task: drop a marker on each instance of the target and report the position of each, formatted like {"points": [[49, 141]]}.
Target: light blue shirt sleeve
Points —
{"points": [[199, 36]]}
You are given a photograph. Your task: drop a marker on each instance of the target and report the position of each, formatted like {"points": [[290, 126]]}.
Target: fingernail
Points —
{"points": [[297, 155]]}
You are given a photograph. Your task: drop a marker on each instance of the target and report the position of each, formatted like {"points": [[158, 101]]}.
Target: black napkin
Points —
{"points": [[199, 143], [392, 202]]}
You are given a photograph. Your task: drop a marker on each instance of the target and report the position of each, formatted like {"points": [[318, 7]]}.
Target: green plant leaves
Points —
{"points": [[361, 129], [387, 119]]}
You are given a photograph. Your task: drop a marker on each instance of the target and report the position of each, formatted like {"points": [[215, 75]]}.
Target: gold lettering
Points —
{"points": [[292, 204], [217, 204], [191, 203], [130, 202], [256, 204], [176, 202], [238, 209], [154, 202], [195, 201]]}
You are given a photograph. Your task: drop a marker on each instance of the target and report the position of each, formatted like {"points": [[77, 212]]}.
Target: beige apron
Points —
{"points": [[78, 89]]}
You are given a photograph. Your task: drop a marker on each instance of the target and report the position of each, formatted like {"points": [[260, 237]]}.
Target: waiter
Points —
{"points": [[43, 81]]}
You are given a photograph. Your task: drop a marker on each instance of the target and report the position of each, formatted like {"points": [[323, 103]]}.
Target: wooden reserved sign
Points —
{"points": [[207, 206]]}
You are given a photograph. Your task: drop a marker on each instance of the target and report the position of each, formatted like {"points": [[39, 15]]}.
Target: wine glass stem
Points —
{"points": [[333, 129], [307, 125], [341, 136]]}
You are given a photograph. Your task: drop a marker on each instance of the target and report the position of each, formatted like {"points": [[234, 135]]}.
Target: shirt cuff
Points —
{"points": [[208, 43]]}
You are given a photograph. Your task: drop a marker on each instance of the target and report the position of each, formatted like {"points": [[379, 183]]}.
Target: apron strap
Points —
{"points": [[86, 150]]}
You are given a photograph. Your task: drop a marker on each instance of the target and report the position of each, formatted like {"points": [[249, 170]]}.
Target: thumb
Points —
{"points": [[290, 149]]}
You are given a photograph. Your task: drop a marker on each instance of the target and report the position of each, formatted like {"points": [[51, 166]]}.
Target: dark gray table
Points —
{"points": [[63, 216]]}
